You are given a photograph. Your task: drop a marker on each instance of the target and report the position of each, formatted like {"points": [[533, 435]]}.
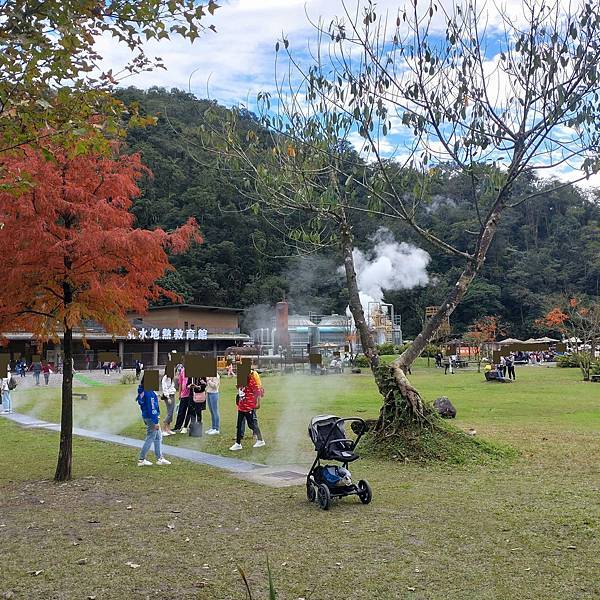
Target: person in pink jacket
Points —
{"points": [[184, 412]]}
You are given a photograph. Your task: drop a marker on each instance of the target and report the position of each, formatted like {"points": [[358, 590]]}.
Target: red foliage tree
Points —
{"points": [[482, 332], [579, 322], [71, 252]]}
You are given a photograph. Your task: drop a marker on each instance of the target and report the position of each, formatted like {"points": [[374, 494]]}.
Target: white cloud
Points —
{"points": [[238, 61]]}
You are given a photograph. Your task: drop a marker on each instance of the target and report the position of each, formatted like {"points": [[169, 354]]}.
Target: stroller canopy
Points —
{"points": [[326, 429]]}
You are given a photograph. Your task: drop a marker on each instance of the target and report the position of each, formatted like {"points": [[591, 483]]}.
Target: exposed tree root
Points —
{"points": [[410, 429]]}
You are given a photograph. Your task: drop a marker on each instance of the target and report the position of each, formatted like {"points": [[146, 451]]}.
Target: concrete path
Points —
{"points": [[80, 379], [272, 476]]}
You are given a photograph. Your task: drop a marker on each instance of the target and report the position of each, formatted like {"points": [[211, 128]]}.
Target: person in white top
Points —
{"points": [[168, 395], [212, 397], [6, 400]]}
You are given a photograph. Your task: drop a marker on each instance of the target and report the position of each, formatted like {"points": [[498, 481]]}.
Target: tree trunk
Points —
{"points": [[402, 402], [451, 301], [65, 452], [366, 338], [585, 364], [456, 294]]}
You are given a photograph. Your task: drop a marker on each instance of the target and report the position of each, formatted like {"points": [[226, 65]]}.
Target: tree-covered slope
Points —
{"points": [[548, 246]]}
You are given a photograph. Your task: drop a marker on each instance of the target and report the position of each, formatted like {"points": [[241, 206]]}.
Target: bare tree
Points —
{"points": [[500, 97]]}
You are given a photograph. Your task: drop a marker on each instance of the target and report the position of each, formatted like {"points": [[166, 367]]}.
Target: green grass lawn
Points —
{"points": [[521, 529]]}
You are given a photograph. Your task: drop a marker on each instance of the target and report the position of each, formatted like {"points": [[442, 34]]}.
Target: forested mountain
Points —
{"points": [[548, 246]]}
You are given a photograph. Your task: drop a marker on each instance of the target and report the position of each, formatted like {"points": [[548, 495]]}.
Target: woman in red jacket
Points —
{"points": [[248, 401]]}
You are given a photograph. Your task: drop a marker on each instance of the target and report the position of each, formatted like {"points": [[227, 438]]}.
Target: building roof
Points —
{"points": [[299, 321], [334, 320], [197, 307]]}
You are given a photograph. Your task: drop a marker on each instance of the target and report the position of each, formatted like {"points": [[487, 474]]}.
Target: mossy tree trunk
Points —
{"points": [[402, 404]]}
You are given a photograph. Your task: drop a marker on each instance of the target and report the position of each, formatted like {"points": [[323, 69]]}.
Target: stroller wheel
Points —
{"points": [[323, 497], [311, 492], [364, 491]]}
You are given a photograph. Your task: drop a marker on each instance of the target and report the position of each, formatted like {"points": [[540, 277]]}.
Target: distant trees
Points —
{"points": [[534, 252], [72, 252], [579, 322]]}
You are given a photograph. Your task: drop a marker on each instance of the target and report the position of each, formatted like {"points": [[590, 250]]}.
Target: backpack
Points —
{"points": [[12, 384]]}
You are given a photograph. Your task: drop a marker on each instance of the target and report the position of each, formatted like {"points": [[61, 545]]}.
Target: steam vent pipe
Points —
{"points": [[281, 322]]}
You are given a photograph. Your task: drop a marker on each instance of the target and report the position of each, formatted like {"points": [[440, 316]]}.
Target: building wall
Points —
{"points": [[191, 317]]}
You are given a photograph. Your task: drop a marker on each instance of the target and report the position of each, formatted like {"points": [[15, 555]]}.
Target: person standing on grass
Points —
{"points": [[197, 402], [248, 402], [510, 367], [502, 367], [5, 389], [212, 392], [37, 369], [148, 402], [185, 397], [168, 395], [46, 372], [449, 365]]}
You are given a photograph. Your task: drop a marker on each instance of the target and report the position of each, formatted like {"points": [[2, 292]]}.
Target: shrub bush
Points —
{"points": [[430, 351], [403, 347], [128, 378], [387, 348], [567, 361], [362, 361]]}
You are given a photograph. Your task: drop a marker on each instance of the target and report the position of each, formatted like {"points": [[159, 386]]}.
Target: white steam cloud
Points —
{"points": [[389, 266]]}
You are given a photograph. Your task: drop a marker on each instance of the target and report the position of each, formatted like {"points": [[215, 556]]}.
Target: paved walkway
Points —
{"points": [[92, 378], [272, 476]]}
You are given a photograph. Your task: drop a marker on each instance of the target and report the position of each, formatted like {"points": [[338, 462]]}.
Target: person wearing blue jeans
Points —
{"points": [[212, 397], [6, 401], [37, 369], [148, 402]]}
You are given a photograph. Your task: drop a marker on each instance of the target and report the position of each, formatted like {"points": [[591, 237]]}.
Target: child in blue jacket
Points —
{"points": [[148, 402]]}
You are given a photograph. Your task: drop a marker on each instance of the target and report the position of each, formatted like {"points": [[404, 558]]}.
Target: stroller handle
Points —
{"points": [[328, 440]]}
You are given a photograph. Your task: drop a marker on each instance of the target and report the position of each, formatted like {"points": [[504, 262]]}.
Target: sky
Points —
{"points": [[238, 61]]}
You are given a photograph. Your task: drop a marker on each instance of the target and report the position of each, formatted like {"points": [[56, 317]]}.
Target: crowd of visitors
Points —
{"points": [[505, 369], [196, 394]]}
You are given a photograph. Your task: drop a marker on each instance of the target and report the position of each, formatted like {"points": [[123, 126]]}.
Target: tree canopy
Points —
{"points": [[72, 252], [52, 80]]}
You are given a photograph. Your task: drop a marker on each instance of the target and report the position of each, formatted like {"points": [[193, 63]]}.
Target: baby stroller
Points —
{"points": [[325, 482]]}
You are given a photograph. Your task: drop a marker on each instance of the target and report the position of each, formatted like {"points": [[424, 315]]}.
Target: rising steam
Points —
{"points": [[389, 266]]}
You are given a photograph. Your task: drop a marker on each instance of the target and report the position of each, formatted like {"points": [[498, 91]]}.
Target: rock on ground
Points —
{"points": [[445, 408]]}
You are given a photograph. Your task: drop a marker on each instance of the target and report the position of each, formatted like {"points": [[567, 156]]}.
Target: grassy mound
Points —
{"points": [[441, 442], [412, 429]]}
